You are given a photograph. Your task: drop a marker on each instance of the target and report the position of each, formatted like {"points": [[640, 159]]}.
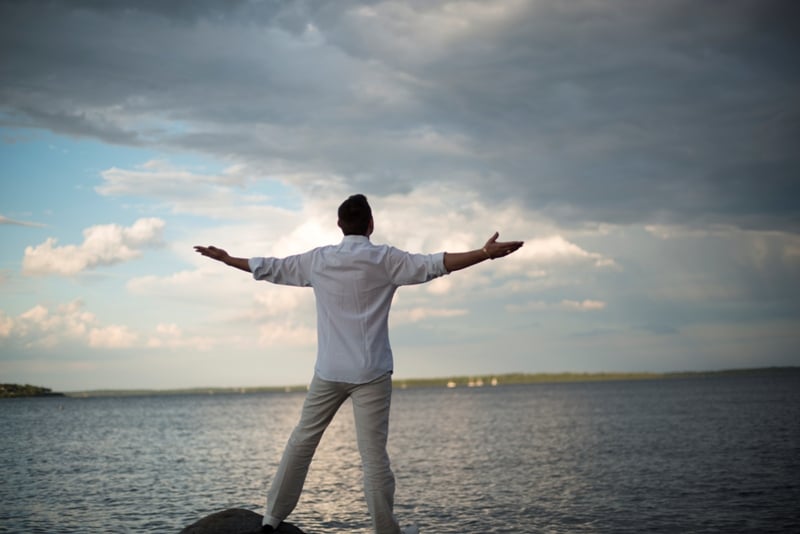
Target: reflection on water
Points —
{"points": [[695, 455]]}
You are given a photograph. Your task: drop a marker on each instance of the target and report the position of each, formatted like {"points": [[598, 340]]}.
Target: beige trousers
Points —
{"points": [[371, 402]]}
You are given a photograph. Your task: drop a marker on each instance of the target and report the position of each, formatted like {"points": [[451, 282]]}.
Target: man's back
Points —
{"points": [[354, 283]]}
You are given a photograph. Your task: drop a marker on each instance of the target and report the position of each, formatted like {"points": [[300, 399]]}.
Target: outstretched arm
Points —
{"points": [[220, 255], [491, 250]]}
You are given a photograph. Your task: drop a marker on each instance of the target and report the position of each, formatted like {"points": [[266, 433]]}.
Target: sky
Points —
{"points": [[645, 151]]}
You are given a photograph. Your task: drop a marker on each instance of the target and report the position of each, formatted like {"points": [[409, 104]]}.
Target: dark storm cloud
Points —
{"points": [[618, 111]]}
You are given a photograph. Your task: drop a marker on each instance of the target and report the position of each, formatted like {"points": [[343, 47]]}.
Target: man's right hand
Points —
{"points": [[220, 255], [491, 250], [498, 249], [213, 252]]}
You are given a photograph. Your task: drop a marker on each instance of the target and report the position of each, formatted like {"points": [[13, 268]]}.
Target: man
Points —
{"points": [[353, 284]]}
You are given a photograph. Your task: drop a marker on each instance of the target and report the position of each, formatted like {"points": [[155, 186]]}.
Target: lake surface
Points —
{"points": [[718, 454]]}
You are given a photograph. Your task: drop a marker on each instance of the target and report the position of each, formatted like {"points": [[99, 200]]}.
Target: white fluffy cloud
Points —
{"points": [[556, 249], [428, 219], [218, 196], [49, 327], [46, 327], [285, 333], [6, 324], [105, 244], [414, 315], [563, 305], [170, 335], [111, 337], [160, 178]]}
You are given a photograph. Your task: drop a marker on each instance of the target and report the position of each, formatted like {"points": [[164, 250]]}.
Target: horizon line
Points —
{"points": [[453, 381]]}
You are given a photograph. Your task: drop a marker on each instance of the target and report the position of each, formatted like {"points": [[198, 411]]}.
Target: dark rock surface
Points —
{"points": [[235, 521]]}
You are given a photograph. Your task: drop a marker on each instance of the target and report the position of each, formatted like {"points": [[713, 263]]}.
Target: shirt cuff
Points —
{"points": [[256, 267], [438, 263]]}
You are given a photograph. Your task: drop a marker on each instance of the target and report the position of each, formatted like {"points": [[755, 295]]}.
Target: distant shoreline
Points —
{"points": [[16, 391], [464, 381]]}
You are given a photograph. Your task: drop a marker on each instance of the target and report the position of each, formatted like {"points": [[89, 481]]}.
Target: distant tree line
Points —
{"points": [[27, 390]]}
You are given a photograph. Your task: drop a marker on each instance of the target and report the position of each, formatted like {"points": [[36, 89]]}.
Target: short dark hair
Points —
{"points": [[355, 215]]}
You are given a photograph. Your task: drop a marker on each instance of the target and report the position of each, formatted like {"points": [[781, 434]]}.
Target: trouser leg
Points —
{"points": [[322, 401], [371, 403]]}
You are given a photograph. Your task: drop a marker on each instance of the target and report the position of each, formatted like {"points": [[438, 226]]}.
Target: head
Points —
{"points": [[355, 216]]}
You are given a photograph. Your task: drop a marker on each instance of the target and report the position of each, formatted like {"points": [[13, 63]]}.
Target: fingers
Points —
{"points": [[210, 251], [502, 249], [507, 251]]}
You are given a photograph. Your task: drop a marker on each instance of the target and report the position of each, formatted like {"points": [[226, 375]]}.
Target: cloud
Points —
{"points": [[412, 34], [279, 333], [760, 265], [417, 314], [557, 250], [51, 327], [615, 111], [645, 151], [43, 327], [190, 286], [586, 305], [170, 335], [111, 337], [429, 219], [102, 245], [6, 220], [238, 310], [160, 179], [6, 324], [237, 193]]}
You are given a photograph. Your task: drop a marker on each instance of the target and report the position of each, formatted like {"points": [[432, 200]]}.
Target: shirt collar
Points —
{"points": [[355, 239]]}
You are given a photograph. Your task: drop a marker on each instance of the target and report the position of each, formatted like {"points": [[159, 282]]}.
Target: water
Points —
{"points": [[715, 454]]}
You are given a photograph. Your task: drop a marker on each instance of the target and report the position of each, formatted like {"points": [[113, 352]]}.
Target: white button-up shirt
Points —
{"points": [[354, 283]]}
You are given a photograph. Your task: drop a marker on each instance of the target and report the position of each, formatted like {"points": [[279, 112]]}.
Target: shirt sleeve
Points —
{"points": [[405, 268], [288, 271]]}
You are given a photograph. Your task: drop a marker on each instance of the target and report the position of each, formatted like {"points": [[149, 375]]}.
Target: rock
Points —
{"points": [[235, 521]]}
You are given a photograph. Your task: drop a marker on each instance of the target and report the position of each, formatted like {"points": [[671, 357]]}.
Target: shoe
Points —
{"points": [[267, 528], [410, 530]]}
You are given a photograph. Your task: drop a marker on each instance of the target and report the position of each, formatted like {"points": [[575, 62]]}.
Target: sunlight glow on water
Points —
{"points": [[697, 455]]}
